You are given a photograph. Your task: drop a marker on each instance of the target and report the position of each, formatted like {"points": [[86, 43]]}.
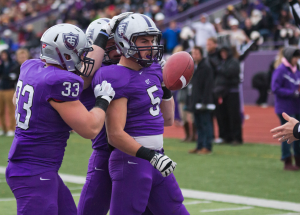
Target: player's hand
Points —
{"points": [[114, 22], [285, 132], [163, 164], [162, 64], [105, 91]]}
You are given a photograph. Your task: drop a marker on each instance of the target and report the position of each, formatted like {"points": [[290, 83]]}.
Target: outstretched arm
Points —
{"points": [[289, 131]]}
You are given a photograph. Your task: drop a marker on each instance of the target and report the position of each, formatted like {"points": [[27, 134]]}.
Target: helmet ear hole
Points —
{"points": [[68, 57], [55, 39], [121, 44]]}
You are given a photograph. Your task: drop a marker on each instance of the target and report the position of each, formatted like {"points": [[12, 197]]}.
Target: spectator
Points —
{"points": [[237, 35], [248, 27], [201, 103], [184, 5], [228, 100], [171, 36], [204, 30], [22, 55], [7, 90], [187, 36], [245, 6], [260, 82], [229, 14], [159, 20], [7, 39], [170, 8], [213, 54], [186, 117], [285, 86], [31, 40]]}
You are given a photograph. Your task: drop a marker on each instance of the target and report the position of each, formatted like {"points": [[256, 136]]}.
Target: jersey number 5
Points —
{"points": [[26, 106], [154, 101]]}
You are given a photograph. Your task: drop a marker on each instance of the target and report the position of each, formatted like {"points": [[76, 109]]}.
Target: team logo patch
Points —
{"points": [[44, 45], [122, 29], [71, 40]]}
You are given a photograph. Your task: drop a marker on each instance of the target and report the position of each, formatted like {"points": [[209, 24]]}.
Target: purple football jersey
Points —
{"points": [[41, 134], [144, 93], [88, 99]]}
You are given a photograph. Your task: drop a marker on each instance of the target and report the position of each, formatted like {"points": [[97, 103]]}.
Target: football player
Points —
{"points": [[96, 192], [47, 108], [135, 124]]}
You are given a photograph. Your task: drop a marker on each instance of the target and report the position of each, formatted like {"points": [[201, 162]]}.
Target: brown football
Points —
{"points": [[178, 70]]}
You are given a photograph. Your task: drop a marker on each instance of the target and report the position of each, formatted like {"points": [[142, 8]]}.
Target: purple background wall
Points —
{"points": [[256, 62]]}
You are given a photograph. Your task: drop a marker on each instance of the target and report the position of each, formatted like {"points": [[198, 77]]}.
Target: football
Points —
{"points": [[178, 70]]}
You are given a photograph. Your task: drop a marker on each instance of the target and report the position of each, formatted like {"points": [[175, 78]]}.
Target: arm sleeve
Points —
{"points": [[66, 88], [276, 85]]}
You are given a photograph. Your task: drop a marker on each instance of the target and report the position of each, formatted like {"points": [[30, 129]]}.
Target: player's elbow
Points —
{"points": [[114, 137], [90, 133]]}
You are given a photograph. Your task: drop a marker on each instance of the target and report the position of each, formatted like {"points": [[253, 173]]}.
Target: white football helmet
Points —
{"points": [[126, 35], [66, 45], [92, 32]]}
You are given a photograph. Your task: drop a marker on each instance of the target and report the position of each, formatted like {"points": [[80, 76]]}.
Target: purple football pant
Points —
{"points": [[96, 192], [136, 184], [42, 194]]}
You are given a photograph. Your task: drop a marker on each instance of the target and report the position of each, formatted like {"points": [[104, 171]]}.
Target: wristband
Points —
{"points": [[101, 103], [295, 131], [167, 93], [145, 153], [101, 39]]}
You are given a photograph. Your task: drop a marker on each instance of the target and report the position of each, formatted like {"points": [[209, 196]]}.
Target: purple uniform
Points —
{"points": [[135, 183], [96, 192], [41, 137]]}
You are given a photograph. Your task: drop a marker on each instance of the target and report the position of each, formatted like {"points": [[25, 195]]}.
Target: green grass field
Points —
{"points": [[249, 170]]}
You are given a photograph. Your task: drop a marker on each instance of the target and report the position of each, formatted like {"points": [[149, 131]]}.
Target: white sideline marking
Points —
{"points": [[7, 199], [227, 209], [286, 214], [72, 178], [218, 197], [196, 202], [75, 188]]}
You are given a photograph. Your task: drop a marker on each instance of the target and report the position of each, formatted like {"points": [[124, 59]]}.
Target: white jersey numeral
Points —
{"points": [[68, 89], [26, 106], [154, 101]]}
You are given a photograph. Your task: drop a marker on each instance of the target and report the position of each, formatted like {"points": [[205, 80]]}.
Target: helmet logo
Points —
{"points": [[44, 45], [90, 34], [122, 29], [71, 40]]}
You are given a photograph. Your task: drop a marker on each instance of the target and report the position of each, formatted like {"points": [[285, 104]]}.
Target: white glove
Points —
{"points": [[113, 24], [162, 64], [105, 91], [163, 164]]}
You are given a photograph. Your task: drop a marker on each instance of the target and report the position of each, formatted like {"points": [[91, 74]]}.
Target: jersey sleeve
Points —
{"points": [[117, 76], [64, 86]]}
